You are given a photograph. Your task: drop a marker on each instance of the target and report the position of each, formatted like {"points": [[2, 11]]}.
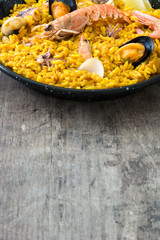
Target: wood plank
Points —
{"points": [[79, 171]]}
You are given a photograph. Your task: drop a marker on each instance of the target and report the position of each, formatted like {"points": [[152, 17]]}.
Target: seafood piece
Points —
{"points": [[113, 33], [59, 9], [156, 63], [5, 40], [150, 21], [14, 23], [46, 59], [139, 31], [137, 50], [111, 2], [34, 12], [27, 44], [84, 48], [93, 65], [78, 19], [131, 52], [71, 3]]}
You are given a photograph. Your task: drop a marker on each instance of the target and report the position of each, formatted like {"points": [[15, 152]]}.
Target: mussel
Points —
{"points": [[155, 4], [70, 3], [7, 5], [136, 50]]}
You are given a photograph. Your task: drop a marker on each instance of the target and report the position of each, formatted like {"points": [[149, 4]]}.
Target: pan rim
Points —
{"points": [[87, 94], [28, 81]]}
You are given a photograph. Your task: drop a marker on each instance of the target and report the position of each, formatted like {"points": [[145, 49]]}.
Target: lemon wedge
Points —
{"points": [[143, 5]]}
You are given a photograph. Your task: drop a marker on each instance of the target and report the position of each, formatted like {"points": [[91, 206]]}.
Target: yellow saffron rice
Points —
{"points": [[64, 72]]}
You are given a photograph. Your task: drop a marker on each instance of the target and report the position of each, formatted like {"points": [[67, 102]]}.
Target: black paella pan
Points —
{"points": [[67, 93]]}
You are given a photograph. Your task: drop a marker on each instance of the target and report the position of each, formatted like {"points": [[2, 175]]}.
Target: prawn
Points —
{"points": [[84, 48], [152, 22], [74, 22]]}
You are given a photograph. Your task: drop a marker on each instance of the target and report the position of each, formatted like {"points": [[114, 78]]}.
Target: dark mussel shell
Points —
{"points": [[147, 43], [71, 3], [7, 5], [155, 4]]}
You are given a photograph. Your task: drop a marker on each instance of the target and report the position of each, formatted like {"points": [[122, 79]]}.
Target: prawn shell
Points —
{"points": [[147, 42], [71, 3]]}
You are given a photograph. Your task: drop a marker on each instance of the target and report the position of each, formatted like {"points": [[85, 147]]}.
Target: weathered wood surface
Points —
{"points": [[79, 171]]}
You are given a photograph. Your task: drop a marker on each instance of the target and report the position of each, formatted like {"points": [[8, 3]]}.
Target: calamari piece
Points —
{"points": [[46, 59], [110, 2], [34, 12], [11, 24], [5, 40], [15, 23], [113, 33]]}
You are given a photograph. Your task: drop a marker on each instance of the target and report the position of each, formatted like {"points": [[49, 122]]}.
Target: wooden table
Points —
{"points": [[79, 170]]}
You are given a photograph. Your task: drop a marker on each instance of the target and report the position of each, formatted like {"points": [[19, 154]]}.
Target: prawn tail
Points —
{"points": [[106, 10]]}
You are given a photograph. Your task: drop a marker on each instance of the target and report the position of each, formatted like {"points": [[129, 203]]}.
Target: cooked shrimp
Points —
{"points": [[150, 21], [59, 9], [84, 48], [78, 19]]}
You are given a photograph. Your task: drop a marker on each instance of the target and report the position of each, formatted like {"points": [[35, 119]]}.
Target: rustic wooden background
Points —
{"points": [[79, 170]]}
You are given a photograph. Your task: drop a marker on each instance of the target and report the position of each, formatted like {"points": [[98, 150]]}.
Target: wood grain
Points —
{"points": [[79, 171]]}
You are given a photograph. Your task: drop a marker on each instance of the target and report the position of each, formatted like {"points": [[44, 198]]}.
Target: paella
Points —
{"points": [[89, 45]]}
